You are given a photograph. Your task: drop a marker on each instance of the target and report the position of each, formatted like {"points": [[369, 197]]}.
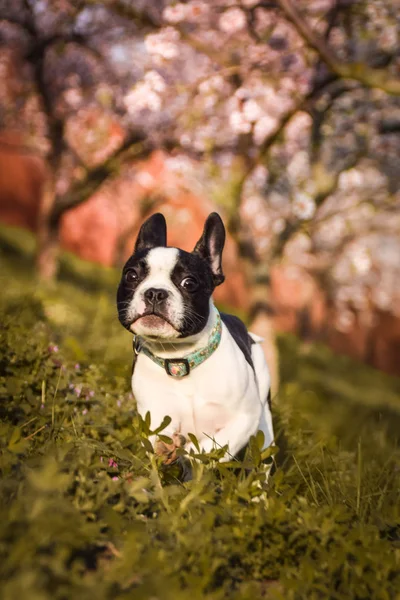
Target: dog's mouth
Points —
{"points": [[152, 320]]}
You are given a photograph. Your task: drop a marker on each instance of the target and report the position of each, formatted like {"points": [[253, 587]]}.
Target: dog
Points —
{"points": [[199, 367]]}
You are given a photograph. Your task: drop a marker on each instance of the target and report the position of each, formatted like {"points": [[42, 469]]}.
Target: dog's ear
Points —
{"points": [[211, 244], [152, 233]]}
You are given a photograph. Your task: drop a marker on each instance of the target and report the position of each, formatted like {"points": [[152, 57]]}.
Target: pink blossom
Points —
{"points": [[264, 128], [303, 206], [360, 258], [73, 97], [146, 94], [350, 179], [185, 12], [112, 464], [344, 320], [252, 206], [298, 127], [252, 110], [144, 179], [176, 13], [197, 9], [141, 97], [215, 83], [259, 175], [232, 20], [239, 123], [155, 81], [163, 45], [298, 169]]}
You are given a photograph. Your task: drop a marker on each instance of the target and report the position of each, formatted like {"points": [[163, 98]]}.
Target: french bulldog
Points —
{"points": [[200, 367]]}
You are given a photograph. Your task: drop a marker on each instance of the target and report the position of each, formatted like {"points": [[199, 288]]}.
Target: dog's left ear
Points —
{"points": [[211, 244], [152, 233]]}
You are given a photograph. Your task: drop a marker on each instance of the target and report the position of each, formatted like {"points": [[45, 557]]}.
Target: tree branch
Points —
{"points": [[128, 11], [373, 78], [133, 148]]}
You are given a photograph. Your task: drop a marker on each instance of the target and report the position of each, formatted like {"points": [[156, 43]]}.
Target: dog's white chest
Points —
{"points": [[203, 403]]}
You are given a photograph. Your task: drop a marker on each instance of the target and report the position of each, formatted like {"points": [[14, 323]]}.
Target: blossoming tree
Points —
{"points": [[288, 113]]}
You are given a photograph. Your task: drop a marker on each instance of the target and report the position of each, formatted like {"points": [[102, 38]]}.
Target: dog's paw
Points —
{"points": [[168, 451], [179, 440]]}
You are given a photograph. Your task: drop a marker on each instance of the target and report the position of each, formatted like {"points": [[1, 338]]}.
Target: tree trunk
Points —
{"points": [[47, 234], [261, 323], [47, 253]]}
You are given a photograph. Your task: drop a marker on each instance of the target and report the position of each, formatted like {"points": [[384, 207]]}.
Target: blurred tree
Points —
{"points": [[288, 111]]}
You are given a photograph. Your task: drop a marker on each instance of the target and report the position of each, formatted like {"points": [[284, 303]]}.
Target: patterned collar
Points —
{"points": [[181, 367]]}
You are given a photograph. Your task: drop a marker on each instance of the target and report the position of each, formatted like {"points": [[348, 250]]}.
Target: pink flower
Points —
{"points": [[175, 13], [239, 123], [163, 44], [232, 20], [53, 348], [264, 128], [304, 206], [112, 463]]}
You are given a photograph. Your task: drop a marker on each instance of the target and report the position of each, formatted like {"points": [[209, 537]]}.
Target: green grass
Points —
{"points": [[85, 512]]}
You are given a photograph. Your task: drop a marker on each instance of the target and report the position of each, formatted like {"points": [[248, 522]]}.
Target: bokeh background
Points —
{"points": [[282, 116]]}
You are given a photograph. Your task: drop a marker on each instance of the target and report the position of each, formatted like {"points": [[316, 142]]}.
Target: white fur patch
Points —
{"points": [[161, 263], [256, 338]]}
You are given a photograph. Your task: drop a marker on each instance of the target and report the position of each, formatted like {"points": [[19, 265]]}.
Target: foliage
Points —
{"points": [[86, 512]]}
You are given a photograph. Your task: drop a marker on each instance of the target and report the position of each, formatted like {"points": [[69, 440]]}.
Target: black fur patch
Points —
{"points": [[126, 289], [269, 399], [239, 332], [197, 303]]}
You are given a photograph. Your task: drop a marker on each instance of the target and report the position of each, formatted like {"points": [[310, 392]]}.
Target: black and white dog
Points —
{"points": [[196, 365]]}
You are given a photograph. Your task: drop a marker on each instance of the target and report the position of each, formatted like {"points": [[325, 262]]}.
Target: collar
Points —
{"points": [[181, 367]]}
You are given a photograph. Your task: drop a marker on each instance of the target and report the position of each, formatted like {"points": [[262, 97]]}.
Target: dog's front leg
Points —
{"points": [[168, 451], [235, 434]]}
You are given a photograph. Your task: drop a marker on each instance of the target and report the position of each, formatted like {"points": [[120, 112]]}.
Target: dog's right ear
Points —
{"points": [[152, 233], [211, 244]]}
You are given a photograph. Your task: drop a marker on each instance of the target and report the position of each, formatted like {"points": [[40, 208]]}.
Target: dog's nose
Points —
{"points": [[155, 295]]}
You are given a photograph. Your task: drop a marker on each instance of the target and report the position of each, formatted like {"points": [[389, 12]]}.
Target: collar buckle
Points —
{"points": [[177, 367]]}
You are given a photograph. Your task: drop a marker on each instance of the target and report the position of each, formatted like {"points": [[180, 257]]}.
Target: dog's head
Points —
{"points": [[165, 292]]}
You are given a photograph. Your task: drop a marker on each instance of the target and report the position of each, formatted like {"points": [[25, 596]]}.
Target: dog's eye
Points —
{"points": [[131, 276], [189, 284]]}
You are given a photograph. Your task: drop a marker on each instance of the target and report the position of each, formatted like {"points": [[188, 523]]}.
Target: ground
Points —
{"points": [[86, 512]]}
